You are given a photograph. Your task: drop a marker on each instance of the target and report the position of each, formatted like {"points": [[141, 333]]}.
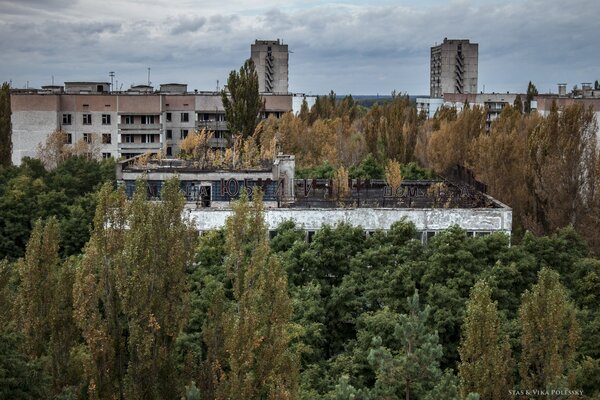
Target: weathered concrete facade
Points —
{"points": [[479, 221], [124, 124], [454, 67], [271, 59]]}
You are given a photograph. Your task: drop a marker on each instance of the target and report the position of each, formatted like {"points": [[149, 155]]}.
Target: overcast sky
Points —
{"points": [[357, 47]]}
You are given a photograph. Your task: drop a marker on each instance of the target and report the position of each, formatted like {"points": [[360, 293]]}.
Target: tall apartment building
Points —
{"points": [[271, 59], [454, 68], [121, 124]]}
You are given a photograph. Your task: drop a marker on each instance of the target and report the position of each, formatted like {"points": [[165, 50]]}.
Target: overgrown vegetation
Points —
{"points": [[107, 298], [140, 314]]}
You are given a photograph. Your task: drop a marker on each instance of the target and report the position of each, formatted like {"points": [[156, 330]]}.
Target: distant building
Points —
{"points": [[453, 69], [125, 124], [432, 205], [271, 59], [584, 95], [492, 103], [428, 106]]}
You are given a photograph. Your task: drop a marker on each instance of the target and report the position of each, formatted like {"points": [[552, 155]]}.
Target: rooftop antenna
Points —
{"points": [[148, 76], [112, 75], [217, 85]]}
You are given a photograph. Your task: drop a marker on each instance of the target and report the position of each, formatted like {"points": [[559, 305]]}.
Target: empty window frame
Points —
{"points": [[106, 138], [87, 137], [149, 139], [147, 119], [128, 119], [169, 117], [127, 138], [169, 133], [184, 133], [87, 119], [185, 117], [66, 119], [105, 119]]}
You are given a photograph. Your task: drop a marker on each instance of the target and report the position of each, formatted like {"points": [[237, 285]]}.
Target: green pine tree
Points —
{"points": [[415, 365]]}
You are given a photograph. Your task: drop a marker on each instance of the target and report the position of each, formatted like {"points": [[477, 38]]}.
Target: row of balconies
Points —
{"points": [[143, 128]]}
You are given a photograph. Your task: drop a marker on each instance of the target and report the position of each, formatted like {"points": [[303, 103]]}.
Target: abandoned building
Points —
{"points": [[432, 205]]}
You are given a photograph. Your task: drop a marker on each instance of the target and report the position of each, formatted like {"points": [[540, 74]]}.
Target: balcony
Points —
{"points": [[140, 127], [140, 146], [212, 125]]}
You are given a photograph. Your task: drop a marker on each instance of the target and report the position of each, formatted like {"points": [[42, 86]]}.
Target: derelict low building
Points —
{"points": [[432, 205]]}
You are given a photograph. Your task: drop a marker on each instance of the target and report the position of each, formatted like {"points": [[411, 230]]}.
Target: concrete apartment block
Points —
{"points": [[123, 124], [454, 65], [271, 59]]}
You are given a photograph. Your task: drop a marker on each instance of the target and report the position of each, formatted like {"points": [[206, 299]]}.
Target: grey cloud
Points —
{"points": [[188, 25], [347, 48]]}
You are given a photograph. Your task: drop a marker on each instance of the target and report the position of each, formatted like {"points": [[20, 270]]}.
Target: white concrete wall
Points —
{"points": [[485, 220], [30, 128], [77, 129]]}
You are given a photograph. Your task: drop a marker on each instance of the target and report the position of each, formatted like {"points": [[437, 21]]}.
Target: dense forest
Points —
{"points": [[104, 297]]}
